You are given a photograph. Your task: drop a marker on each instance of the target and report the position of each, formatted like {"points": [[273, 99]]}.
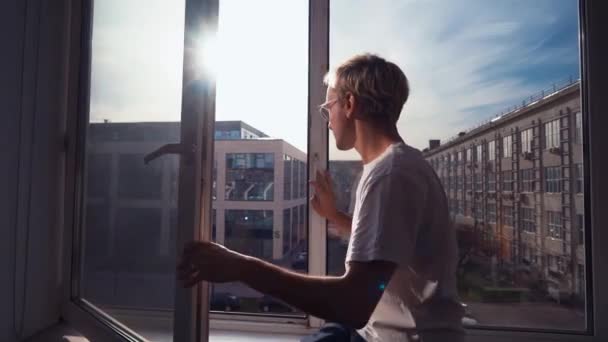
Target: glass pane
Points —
{"points": [[261, 142], [499, 84], [131, 207]]}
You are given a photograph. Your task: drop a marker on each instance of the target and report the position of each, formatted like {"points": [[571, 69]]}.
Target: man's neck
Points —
{"points": [[372, 142]]}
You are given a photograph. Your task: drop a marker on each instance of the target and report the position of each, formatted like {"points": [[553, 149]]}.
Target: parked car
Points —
{"points": [[224, 301], [271, 304]]}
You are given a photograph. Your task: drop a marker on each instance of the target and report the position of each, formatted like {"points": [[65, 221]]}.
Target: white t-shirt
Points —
{"points": [[401, 215]]}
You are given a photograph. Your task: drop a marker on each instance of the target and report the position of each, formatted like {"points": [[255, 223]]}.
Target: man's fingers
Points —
{"points": [[328, 179]]}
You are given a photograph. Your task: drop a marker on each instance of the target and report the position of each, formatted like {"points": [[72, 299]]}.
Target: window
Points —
{"points": [[478, 182], [526, 140], [578, 122], [492, 150], [554, 225], [249, 177], [497, 318], [507, 146], [287, 176], [578, 172], [478, 211], [479, 154], [491, 179], [460, 156], [527, 180], [507, 180], [552, 134], [553, 179], [580, 227], [528, 220], [507, 212], [491, 212], [250, 232], [469, 155]]}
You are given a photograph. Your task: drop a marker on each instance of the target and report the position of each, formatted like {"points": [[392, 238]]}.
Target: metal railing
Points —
{"points": [[545, 93]]}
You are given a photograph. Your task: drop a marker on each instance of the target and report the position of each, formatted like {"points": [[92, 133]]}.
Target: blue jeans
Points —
{"points": [[334, 332]]}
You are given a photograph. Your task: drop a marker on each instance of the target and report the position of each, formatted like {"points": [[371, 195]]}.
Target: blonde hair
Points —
{"points": [[380, 87]]}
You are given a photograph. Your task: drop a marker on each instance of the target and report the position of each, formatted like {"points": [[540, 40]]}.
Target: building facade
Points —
{"points": [[260, 190], [515, 189]]}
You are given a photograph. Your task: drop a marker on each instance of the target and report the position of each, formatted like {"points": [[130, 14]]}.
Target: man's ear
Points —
{"points": [[351, 105]]}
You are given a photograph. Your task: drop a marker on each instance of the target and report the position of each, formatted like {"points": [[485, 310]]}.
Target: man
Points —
{"points": [[399, 283]]}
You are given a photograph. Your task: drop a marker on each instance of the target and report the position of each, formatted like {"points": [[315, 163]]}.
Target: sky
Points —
{"points": [[466, 60]]}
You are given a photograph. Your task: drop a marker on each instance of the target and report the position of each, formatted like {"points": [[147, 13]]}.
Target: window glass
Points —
{"points": [[507, 146], [249, 177], [526, 141], [262, 158], [553, 179], [508, 81], [552, 134], [492, 150], [128, 232]]}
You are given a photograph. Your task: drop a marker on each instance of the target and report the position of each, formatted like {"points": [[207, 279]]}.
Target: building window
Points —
{"points": [[552, 134], [580, 226], [478, 211], [507, 180], [528, 223], [579, 178], [468, 208], [554, 224], [578, 121], [287, 176], [491, 212], [553, 179], [492, 150], [249, 177], [527, 180], [507, 214], [478, 182], [507, 146], [469, 155], [460, 182], [526, 140], [460, 204], [479, 153], [460, 156], [491, 178], [250, 232]]}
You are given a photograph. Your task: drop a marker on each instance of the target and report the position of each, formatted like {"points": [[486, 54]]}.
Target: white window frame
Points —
{"points": [[507, 146], [492, 150], [552, 137], [97, 326], [526, 140]]}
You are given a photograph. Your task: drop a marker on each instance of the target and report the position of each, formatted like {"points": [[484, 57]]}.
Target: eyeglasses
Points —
{"points": [[325, 107]]}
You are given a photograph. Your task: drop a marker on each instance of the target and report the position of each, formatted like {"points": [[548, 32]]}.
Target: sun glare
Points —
{"points": [[208, 55]]}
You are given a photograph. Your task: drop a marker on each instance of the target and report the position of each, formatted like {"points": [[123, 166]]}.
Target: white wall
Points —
{"points": [[32, 106]]}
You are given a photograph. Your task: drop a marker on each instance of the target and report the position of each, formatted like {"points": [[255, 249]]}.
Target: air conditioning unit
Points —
{"points": [[527, 155], [555, 150]]}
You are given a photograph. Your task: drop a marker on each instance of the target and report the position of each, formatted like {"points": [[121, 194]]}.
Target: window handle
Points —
{"points": [[175, 148]]}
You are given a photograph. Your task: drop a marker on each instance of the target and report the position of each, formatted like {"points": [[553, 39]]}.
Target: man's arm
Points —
{"points": [[349, 299], [342, 221]]}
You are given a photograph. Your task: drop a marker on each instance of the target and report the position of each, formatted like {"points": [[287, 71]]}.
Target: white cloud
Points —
{"points": [[451, 54]]}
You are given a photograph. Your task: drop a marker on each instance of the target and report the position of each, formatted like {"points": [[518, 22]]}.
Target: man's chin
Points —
{"points": [[344, 148]]}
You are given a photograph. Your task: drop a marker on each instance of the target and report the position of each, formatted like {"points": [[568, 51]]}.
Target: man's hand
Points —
{"points": [[324, 200], [204, 260]]}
